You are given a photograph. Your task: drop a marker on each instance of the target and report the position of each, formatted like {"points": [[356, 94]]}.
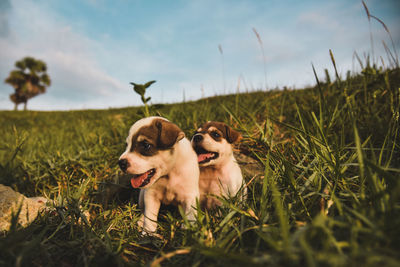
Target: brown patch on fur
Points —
{"points": [[160, 135], [227, 132], [168, 134]]}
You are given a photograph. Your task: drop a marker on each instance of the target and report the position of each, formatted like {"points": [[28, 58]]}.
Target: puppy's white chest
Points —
{"points": [[213, 181], [169, 193], [225, 181], [170, 197]]}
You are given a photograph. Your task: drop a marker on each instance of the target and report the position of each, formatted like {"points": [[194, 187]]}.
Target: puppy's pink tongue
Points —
{"points": [[136, 182], [202, 157]]}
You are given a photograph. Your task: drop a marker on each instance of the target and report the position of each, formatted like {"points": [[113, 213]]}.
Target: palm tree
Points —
{"points": [[29, 80]]}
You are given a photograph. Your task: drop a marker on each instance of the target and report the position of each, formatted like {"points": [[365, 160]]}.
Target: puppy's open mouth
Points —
{"points": [[204, 156], [140, 180]]}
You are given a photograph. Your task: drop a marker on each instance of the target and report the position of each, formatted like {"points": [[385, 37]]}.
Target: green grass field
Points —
{"points": [[329, 194]]}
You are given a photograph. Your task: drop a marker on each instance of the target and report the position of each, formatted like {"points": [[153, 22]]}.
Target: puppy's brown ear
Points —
{"points": [[232, 136], [168, 134]]}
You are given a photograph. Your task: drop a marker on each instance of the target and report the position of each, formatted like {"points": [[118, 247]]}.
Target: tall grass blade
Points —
{"points": [[263, 55], [321, 95], [370, 30]]}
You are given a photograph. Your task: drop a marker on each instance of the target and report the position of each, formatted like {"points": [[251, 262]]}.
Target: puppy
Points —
{"points": [[163, 165], [220, 175]]}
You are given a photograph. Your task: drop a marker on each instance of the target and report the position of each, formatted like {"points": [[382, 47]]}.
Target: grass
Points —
{"points": [[328, 196]]}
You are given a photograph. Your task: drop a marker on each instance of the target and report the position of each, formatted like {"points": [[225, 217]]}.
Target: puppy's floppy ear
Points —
{"points": [[168, 134], [232, 136]]}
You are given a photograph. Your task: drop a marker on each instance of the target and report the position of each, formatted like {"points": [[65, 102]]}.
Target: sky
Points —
{"points": [[193, 49]]}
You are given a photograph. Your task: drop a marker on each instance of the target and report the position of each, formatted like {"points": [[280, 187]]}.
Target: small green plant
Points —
{"points": [[140, 89]]}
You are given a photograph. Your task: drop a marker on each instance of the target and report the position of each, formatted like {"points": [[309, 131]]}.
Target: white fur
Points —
{"points": [[221, 176], [176, 180]]}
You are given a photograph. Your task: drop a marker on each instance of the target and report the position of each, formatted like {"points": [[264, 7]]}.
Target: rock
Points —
{"points": [[11, 201]]}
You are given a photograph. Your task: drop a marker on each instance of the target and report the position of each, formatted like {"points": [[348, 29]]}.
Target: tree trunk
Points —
{"points": [[15, 107], [25, 106]]}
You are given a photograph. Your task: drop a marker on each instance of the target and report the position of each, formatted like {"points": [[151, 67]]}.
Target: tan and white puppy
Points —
{"points": [[163, 164], [220, 174]]}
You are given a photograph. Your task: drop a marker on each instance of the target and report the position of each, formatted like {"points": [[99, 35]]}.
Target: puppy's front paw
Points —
{"points": [[141, 222], [144, 233], [188, 224], [151, 235]]}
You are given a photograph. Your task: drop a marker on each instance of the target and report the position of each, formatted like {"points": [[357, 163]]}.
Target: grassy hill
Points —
{"points": [[329, 193]]}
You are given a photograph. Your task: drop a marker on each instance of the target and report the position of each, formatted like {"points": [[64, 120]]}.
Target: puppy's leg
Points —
{"points": [[151, 208], [141, 206], [189, 209]]}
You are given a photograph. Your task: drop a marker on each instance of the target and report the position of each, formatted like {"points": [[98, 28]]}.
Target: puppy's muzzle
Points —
{"points": [[123, 164], [197, 138]]}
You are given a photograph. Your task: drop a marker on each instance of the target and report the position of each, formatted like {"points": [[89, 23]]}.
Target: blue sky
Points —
{"points": [[95, 48]]}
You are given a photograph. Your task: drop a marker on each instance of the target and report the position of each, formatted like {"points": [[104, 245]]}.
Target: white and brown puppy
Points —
{"points": [[220, 175], [163, 164]]}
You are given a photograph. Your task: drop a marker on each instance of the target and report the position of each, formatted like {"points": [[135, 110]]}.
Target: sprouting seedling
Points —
{"points": [[140, 89]]}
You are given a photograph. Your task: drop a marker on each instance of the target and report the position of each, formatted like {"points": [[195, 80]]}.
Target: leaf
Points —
{"points": [[146, 85], [139, 89]]}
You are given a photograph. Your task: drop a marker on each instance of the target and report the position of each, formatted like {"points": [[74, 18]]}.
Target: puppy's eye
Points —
{"points": [[215, 135], [146, 146]]}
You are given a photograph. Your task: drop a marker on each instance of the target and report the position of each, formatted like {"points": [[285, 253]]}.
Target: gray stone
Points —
{"points": [[11, 202]]}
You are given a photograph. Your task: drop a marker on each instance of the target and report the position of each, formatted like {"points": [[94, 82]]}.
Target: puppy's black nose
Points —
{"points": [[123, 164], [197, 138]]}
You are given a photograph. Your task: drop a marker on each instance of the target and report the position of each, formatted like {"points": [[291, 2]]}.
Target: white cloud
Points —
{"points": [[72, 64], [178, 47]]}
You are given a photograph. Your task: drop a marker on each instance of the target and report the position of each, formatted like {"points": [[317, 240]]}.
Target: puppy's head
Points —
{"points": [[150, 152], [212, 143]]}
